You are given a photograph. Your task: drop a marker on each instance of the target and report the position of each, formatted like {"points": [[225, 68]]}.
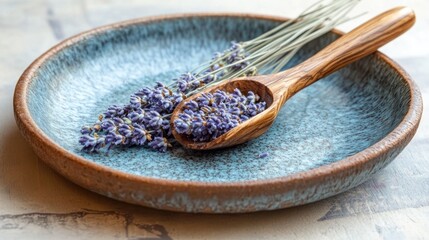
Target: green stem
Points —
{"points": [[274, 49]]}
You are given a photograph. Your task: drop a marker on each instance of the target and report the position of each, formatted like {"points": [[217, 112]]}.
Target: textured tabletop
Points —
{"points": [[38, 203]]}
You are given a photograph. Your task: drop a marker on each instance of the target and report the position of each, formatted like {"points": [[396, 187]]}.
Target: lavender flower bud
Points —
{"points": [[115, 111], [91, 143], [108, 125], [167, 105], [165, 124], [153, 119], [177, 98], [182, 85], [182, 127], [191, 105], [144, 93], [117, 120], [185, 116], [87, 141], [187, 82], [251, 97], [210, 78], [244, 118], [136, 117], [159, 143], [99, 144], [125, 130], [113, 138], [235, 111], [86, 130], [159, 85], [139, 136], [157, 95], [135, 101]]}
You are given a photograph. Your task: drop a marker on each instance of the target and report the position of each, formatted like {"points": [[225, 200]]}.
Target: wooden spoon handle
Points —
{"points": [[360, 42]]}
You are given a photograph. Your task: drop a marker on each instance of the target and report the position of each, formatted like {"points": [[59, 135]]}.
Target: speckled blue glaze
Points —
{"points": [[334, 118], [330, 120]]}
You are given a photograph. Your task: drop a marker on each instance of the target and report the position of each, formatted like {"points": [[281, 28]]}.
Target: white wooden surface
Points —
{"points": [[37, 203]]}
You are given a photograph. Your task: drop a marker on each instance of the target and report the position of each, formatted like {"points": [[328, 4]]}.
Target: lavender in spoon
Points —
{"points": [[212, 115]]}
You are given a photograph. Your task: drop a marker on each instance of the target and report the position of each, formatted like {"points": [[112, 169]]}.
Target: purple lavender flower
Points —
{"points": [[187, 82], [237, 55], [205, 99], [182, 85], [135, 101], [153, 119], [251, 97], [87, 141], [182, 127], [167, 105], [165, 124], [139, 136], [137, 116], [113, 138], [244, 118], [192, 105], [261, 106], [108, 125], [92, 143], [212, 115], [85, 130], [145, 120], [220, 96], [115, 111], [210, 78], [144, 93], [157, 95], [159, 143], [177, 98], [125, 130], [234, 111]]}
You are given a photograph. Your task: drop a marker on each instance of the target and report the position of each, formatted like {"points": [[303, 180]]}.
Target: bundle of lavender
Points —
{"points": [[145, 120]]}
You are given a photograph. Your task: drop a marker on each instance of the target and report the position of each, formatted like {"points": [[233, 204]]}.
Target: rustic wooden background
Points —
{"points": [[37, 203]]}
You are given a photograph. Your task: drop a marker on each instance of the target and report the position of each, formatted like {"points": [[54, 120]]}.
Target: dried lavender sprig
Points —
{"points": [[145, 120]]}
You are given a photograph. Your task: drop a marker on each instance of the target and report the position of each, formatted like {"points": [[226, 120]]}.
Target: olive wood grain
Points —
{"points": [[277, 88]]}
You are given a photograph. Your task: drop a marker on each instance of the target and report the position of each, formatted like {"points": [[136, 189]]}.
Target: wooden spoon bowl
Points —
{"points": [[276, 89], [232, 137]]}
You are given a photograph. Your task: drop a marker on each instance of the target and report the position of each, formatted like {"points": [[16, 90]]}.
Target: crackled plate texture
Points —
{"points": [[337, 117]]}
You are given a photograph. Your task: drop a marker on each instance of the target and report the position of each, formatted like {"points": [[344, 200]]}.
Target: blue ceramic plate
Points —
{"points": [[328, 138]]}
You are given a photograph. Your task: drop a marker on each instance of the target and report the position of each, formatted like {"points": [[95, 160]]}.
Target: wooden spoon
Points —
{"points": [[275, 89]]}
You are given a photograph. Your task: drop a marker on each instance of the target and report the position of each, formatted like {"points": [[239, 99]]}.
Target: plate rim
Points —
{"points": [[399, 136]]}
